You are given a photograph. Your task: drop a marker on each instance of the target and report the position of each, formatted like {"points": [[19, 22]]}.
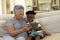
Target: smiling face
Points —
{"points": [[18, 11], [19, 15]]}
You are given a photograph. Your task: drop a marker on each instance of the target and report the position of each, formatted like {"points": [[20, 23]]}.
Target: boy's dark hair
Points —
{"points": [[30, 12]]}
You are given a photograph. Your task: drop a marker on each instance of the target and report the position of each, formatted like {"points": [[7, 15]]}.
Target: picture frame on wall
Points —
{"points": [[53, 2], [35, 3], [55, 5]]}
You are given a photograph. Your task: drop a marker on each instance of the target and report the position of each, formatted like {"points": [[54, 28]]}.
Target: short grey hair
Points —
{"points": [[18, 8]]}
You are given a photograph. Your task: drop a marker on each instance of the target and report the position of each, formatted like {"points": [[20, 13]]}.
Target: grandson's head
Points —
{"points": [[30, 15]]}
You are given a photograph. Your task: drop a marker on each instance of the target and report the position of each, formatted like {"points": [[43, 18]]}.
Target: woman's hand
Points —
{"points": [[27, 27]]}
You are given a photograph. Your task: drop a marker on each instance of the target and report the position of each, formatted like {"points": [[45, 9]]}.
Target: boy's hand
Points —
{"points": [[47, 33]]}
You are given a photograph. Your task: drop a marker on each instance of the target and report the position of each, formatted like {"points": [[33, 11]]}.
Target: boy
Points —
{"points": [[37, 31]]}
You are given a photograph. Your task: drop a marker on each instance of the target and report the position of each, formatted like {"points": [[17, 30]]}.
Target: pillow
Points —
{"points": [[5, 16], [52, 23], [53, 37], [2, 23]]}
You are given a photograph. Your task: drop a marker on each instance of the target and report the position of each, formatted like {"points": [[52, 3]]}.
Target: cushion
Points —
{"points": [[5, 16], [0, 38], [2, 31], [47, 14], [52, 37], [52, 23]]}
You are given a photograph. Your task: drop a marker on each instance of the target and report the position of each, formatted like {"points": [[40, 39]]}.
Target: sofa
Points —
{"points": [[49, 20]]}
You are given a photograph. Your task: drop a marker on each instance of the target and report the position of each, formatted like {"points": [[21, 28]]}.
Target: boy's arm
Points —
{"points": [[37, 28], [44, 31]]}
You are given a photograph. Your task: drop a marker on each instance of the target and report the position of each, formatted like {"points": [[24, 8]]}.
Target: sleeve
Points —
{"points": [[26, 20], [39, 25], [9, 22], [38, 22]]}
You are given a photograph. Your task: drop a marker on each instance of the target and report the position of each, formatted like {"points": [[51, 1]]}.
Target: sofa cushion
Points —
{"points": [[2, 31], [52, 23], [0, 38], [53, 37], [5, 16]]}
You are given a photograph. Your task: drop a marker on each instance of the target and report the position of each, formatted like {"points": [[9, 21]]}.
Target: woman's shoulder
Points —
{"points": [[25, 19], [10, 20]]}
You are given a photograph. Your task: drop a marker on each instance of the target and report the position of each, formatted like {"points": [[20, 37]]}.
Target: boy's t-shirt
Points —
{"points": [[33, 24], [17, 24]]}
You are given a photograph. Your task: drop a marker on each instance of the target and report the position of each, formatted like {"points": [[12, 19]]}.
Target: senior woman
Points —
{"points": [[17, 27]]}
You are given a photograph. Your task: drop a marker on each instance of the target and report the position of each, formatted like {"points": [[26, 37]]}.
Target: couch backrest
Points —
{"points": [[47, 14], [3, 19], [38, 15], [2, 22], [52, 23]]}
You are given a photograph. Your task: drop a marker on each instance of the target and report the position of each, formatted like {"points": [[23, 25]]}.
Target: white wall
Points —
{"points": [[0, 7], [11, 5], [20, 2], [17, 2], [29, 2], [44, 1]]}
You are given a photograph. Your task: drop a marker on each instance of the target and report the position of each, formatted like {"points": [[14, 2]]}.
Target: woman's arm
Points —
{"points": [[14, 32]]}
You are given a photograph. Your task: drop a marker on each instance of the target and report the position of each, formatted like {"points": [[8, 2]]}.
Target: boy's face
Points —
{"points": [[31, 17]]}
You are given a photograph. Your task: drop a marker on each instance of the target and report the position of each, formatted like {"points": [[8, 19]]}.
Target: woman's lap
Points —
{"points": [[8, 38], [20, 38], [12, 38]]}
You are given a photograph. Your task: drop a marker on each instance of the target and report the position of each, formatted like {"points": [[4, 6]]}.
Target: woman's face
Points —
{"points": [[19, 15]]}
